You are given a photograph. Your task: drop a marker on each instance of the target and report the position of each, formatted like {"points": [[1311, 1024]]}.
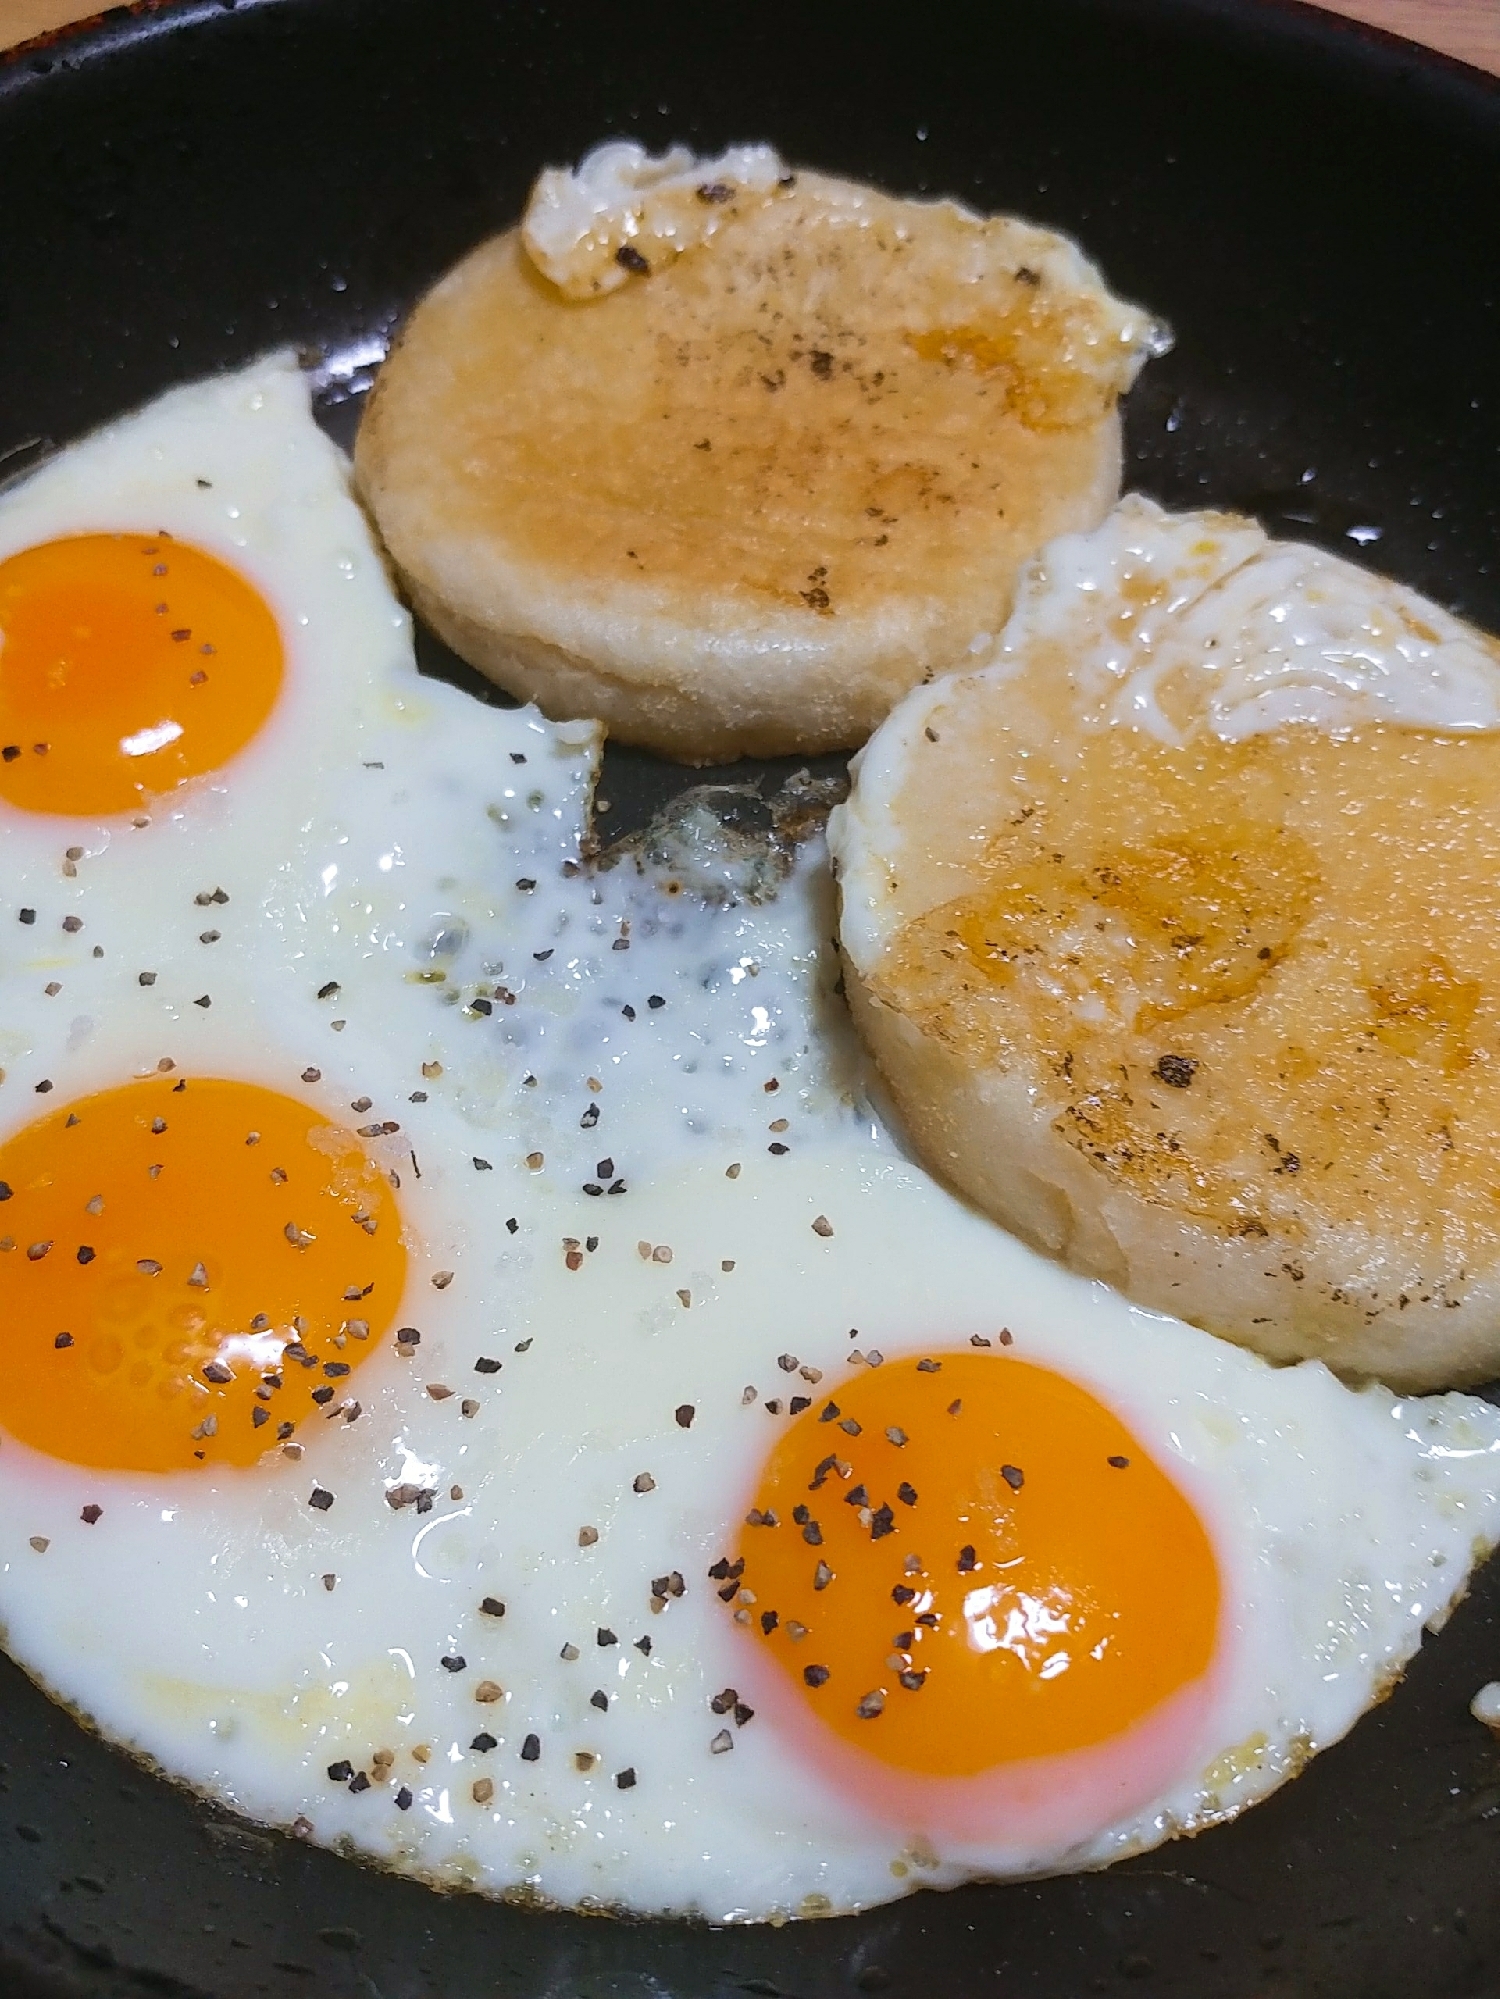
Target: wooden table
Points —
{"points": [[1469, 29]]}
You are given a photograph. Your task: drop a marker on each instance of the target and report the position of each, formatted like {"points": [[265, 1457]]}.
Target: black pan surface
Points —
{"points": [[1318, 213]]}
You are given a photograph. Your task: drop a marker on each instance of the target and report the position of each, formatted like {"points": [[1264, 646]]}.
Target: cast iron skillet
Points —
{"points": [[1318, 213]]}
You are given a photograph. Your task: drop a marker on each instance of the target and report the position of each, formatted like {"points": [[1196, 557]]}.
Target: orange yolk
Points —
{"points": [[128, 663], [966, 1561], [189, 1270]]}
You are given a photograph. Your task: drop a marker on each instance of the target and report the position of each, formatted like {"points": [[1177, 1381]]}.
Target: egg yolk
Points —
{"points": [[968, 1560], [190, 1270], [128, 663]]}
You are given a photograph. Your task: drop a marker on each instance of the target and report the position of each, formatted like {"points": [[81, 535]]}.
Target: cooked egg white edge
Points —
{"points": [[578, 217], [1282, 632]]}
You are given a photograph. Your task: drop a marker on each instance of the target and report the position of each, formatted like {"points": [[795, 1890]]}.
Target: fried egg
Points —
{"points": [[685, 1506]]}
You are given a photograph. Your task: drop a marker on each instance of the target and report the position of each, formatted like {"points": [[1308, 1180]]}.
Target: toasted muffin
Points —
{"points": [[730, 457], [1175, 932]]}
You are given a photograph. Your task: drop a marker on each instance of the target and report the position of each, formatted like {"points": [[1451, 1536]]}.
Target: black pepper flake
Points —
{"points": [[967, 1559], [903, 1595], [643, 1646], [512, 1225], [911, 1679], [769, 1620], [403, 1799], [531, 1749], [340, 1772], [829, 1413], [625, 1780], [798, 1403], [929, 1366], [822, 1576], [599, 1699], [1014, 1477], [63, 1340], [907, 1494], [328, 991], [359, 1782], [217, 1371], [322, 1395], [815, 1676], [1175, 1070], [1118, 1463], [485, 1365], [882, 1522], [654, 1001], [44, 1086], [484, 1743], [604, 1636], [320, 1499], [482, 1165], [778, 1148], [526, 884], [871, 1706], [453, 1662]]}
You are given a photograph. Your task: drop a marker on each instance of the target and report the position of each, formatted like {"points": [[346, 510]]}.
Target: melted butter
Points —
{"points": [[1043, 351]]}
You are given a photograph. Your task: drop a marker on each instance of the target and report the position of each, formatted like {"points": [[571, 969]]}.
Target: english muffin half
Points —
{"points": [[732, 457], [1175, 931]]}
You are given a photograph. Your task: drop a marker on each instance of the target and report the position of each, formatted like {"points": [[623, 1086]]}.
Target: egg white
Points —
{"points": [[385, 830]]}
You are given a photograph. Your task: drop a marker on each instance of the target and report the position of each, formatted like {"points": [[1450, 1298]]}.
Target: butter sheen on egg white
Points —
{"points": [[385, 830]]}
